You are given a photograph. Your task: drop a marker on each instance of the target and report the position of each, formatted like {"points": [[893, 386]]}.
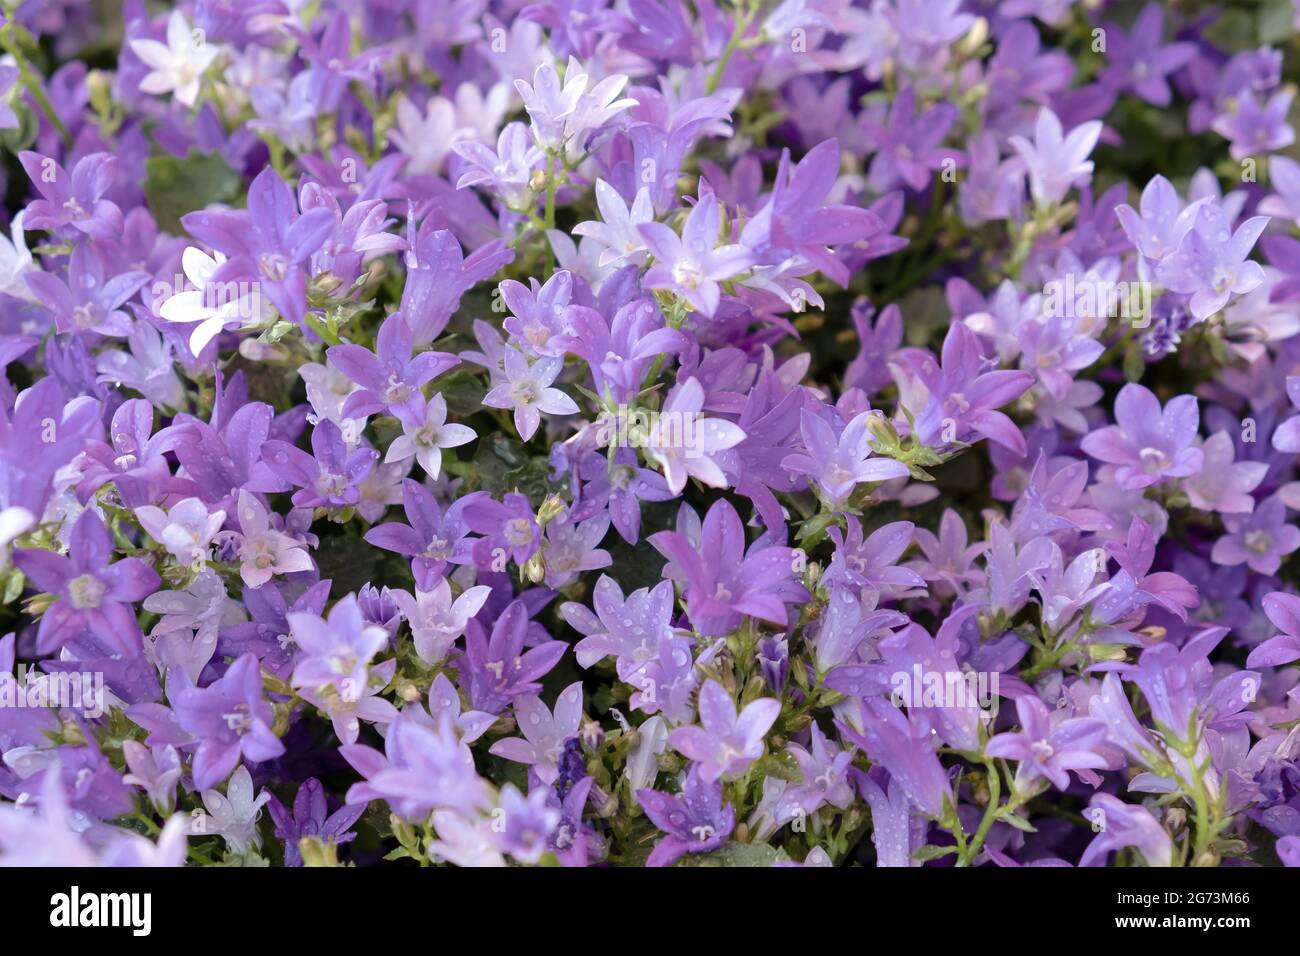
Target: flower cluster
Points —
{"points": [[648, 432]]}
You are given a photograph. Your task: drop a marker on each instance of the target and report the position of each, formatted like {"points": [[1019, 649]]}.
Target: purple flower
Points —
{"points": [[693, 265], [1148, 444], [904, 746], [838, 465], [544, 734], [529, 822], [432, 539], [1253, 127], [618, 486], [728, 742], [797, 222], [231, 718], [438, 273], [959, 397], [426, 765], [570, 548], [1048, 747], [1259, 540], [495, 669], [509, 528], [389, 376], [92, 595], [87, 302], [1120, 825], [74, 201], [329, 477], [309, 819], [269, 243], [1211, 264], [1140, 60], [695, 822], [722, 582], [908, 144], [1284, 611]]}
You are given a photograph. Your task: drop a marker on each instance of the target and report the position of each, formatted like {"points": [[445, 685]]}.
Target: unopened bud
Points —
{"points": [[551, 509], [974, 38], [535, 568]]}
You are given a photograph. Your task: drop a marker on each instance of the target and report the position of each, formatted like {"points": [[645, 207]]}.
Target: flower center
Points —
{"points": [[1154, 460], [518, 532], [1259, 542], [273, 266], [86, 592]]}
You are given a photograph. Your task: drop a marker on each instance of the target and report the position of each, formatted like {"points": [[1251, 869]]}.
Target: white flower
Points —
{"points": [[427, 139], [425, 434], [234, 814], [211, 304], [185, 531], [178, 64], [15, 261], [327, 390], [563, 114], [481, 116], [436, 620], [618, 233], [1056, 161], [13, 522]]}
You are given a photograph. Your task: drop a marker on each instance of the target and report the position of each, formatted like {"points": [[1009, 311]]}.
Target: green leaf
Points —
{"points": [[1019, 822], [736, 854], [927, 853], [1134, 364], [175, 186]]}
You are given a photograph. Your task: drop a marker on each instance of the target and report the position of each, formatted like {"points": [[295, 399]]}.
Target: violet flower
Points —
{"points": [[231, 719], [92, 595], [694, 822]]}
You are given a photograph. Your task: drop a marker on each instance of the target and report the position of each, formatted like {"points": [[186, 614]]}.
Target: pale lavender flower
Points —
{"points": [[529, 392], [838, 465], [436, 620], [1149, 444], [425, 433], [1211, 265], [265, 551], [186, 529], [684, 442], [233, 815], [1056, 161], [693, 265], [728, 742], [1121, 825], [1259, 540], [544, 733], [1164, 221]]}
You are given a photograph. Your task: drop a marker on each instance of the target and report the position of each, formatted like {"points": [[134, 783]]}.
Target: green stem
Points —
{"points": [[994, 781], [32, 80], [733, 43]]}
